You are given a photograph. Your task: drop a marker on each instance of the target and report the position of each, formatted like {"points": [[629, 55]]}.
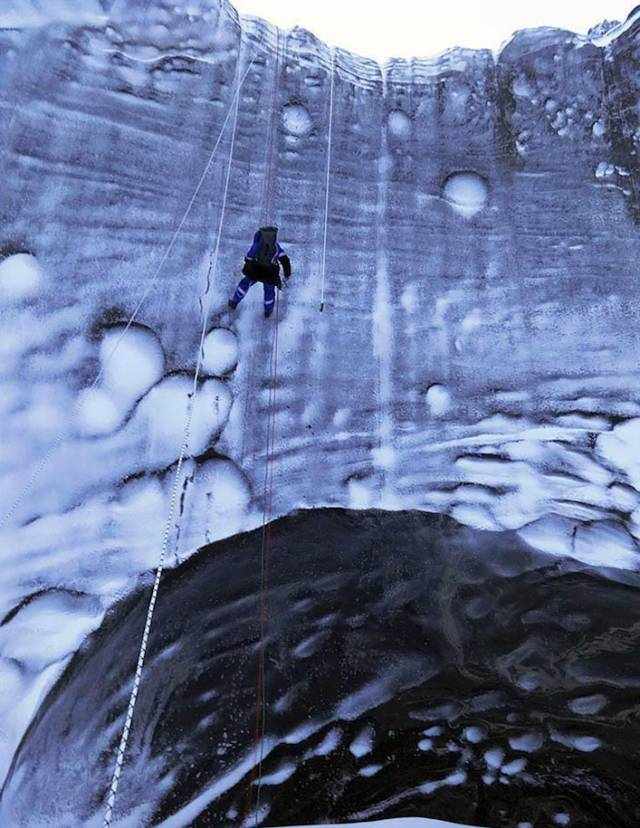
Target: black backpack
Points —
{"points": [[268, 245]]}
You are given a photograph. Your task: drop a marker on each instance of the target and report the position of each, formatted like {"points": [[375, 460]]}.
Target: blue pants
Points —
{"points": [[269, 294]]}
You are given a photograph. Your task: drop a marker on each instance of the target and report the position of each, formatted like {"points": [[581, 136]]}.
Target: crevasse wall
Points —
{"points": [[477, 354]]}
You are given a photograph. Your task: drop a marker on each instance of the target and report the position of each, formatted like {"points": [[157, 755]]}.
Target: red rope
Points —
{"points": [[267, 531], [261, 700]]}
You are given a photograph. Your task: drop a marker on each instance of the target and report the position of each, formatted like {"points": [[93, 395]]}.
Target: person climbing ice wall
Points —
{"points": [[262, 264]]}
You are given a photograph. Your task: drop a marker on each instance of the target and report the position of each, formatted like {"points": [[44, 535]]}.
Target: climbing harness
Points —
{"points": [[213, 263], [328, 174]]}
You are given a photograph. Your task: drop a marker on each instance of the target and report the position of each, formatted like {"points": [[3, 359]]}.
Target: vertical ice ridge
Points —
{"points": [[383, 327], [621, 91]]}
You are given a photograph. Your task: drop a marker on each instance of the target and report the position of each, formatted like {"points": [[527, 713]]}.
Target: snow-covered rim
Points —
{"points": [[229, 10], [616, 31], [363, 71]]}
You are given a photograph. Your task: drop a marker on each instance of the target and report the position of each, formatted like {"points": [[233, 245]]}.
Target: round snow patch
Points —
{"points": [[220, 352], [216, 504], [399, 124], [163, 413], [466, 192], [296, 120], [132, 361], [96, 413], [20, 278], [438, 400], [474, 734]]}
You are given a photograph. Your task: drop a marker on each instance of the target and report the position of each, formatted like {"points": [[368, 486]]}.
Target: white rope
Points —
{"points": [[267, 199], [206, 306], [63, 432], [326, 202]]}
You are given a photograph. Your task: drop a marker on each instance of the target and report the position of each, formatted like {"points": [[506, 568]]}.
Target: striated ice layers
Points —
{"points": [[477, 354]]}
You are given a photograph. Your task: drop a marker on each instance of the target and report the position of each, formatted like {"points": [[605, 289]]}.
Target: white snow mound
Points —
{"points": [[466, 192]]}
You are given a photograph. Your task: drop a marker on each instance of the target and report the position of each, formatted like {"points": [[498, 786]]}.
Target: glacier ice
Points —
{"points": [[476, 355]]}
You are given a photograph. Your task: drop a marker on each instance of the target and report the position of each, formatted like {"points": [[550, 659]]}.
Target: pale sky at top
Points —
{"points": [[421, 28]]}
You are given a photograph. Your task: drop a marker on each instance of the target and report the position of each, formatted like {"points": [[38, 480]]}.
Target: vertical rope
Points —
{"points": [[261, 702], [260, 718], [268, 198], [205, 307], [326, 194], [264, 217], [266, 549], [261, 699]]}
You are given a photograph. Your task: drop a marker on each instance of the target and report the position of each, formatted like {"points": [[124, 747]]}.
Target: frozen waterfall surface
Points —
{"points": [[469, 221]]}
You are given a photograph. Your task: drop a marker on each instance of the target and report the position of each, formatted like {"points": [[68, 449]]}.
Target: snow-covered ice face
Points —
{"points": [[475, 356]]}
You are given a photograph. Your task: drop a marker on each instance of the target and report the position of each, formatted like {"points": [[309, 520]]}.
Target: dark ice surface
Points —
{"points": [[414, 667]]}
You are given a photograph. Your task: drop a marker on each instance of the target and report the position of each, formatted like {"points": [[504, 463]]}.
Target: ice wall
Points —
{"points": [[477, 354]]}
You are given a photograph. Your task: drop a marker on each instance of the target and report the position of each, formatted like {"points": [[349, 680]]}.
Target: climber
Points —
{"points": [[262, 264]]}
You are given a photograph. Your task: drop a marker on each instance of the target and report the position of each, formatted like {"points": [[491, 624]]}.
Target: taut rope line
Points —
{"points": [[327, 181], [261, 695]]}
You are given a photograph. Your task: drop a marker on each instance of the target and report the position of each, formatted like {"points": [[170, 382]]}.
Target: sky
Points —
{"points": [[421, 28]]}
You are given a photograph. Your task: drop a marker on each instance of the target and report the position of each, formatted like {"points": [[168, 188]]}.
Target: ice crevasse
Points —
{"points": [[476, 354]]}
